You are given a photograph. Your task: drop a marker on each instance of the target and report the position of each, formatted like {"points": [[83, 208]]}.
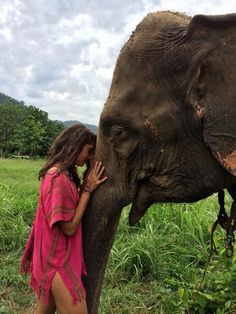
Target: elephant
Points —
{"points": [[167, 132]]}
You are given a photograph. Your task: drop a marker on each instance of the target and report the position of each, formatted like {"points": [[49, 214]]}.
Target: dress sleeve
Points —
{"points": [[60, 200]]}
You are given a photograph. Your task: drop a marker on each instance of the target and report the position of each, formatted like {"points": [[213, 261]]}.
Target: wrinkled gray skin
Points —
{"points": [[168, 129]]}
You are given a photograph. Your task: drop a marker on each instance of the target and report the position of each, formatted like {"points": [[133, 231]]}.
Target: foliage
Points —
{"points": [[25, 130], [154, 267], [161, 262], [4, 99]]}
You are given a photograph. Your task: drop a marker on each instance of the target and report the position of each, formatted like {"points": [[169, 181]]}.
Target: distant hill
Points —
{"points": [[91, 127], [5, 99]]}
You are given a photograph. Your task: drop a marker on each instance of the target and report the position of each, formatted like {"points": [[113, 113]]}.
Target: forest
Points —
{"points": [[25, 130]]}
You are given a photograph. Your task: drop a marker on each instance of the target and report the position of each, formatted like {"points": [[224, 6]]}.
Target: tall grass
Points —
{"points": [[162, 260], [18, 202], [154, 267]]}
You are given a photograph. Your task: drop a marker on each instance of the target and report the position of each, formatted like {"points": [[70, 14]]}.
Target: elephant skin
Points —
{"points": [[167, 132]]}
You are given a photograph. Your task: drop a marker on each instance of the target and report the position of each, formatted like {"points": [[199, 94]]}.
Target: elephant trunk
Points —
{"points": [[99, 227]]}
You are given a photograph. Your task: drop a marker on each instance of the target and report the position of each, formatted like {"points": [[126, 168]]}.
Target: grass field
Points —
{"points": [[154, 267]]}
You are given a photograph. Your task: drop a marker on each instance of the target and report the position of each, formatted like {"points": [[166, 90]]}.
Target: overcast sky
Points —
{"points": [[59, 55]]}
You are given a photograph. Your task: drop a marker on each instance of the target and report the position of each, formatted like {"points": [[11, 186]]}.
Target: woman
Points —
{"points": [[54, 254]]}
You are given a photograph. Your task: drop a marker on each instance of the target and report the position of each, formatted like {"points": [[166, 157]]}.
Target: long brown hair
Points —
{"points": [[66, 148]]}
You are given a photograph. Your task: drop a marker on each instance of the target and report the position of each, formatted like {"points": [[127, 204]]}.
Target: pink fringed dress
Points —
{"points": [[48, 249]]}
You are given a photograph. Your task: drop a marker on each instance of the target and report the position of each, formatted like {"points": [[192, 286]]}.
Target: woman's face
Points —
{"points": [[85, 154]]}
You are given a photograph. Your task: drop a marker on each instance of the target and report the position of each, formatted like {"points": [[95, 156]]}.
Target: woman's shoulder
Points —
{"points": [[54, 178], [55, 172]]}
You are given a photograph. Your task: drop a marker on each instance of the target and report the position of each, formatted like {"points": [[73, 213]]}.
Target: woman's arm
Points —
{"points": [[69, 227], [92, 183]]}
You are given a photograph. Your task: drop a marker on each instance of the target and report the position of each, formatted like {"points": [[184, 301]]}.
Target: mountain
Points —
{"points": [[5, 99], [91, 127]]}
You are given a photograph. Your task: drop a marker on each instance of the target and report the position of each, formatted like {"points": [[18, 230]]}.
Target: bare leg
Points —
{"points": [[63, 298], [42, 308]]}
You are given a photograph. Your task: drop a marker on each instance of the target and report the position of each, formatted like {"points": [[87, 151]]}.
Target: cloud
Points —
{"points": [[59, 55]]}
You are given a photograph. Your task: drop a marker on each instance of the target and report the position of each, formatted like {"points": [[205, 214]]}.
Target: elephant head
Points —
{"points": [[167, 132]]}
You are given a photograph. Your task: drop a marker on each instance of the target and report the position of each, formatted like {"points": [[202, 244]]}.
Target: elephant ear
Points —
{"points": [[212, 92]]}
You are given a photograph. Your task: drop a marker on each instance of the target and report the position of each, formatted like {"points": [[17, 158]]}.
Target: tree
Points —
{"points": [[11, 116], [30, 137], [36, 132], [25, 129]]}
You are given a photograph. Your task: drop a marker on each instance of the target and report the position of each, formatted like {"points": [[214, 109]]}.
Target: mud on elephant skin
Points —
{"points": [[167, 132]]}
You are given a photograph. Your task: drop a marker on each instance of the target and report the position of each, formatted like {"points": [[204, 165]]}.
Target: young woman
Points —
{"points": [[54, 253]]}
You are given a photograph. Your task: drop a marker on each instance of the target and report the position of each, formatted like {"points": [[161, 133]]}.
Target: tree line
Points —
{"points": [[25, 130]]}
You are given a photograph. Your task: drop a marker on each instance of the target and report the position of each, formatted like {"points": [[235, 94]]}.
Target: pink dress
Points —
{"points": [[48, 249]]}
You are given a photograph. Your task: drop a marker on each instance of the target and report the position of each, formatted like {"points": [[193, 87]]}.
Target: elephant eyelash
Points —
{"points": [[117, 132]]}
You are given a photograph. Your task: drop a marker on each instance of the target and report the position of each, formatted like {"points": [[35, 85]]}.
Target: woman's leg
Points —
{"points": [[63, 298], [42, 308]]}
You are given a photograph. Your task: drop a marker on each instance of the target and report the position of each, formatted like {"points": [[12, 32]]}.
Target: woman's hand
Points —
{"points": [[93, 179]]}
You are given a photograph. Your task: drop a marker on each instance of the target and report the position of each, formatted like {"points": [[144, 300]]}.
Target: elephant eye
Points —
{"points": [[123, 139], [117, 132]]}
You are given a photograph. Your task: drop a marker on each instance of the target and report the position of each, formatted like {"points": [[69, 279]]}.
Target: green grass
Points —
{"points": [[154, 267], [19, 190]]}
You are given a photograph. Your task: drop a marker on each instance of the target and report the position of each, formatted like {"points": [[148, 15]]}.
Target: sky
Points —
{"points": [[59, 55]]}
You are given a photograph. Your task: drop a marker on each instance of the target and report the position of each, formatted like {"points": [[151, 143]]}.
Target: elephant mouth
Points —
{"points": [[141, 202]]}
